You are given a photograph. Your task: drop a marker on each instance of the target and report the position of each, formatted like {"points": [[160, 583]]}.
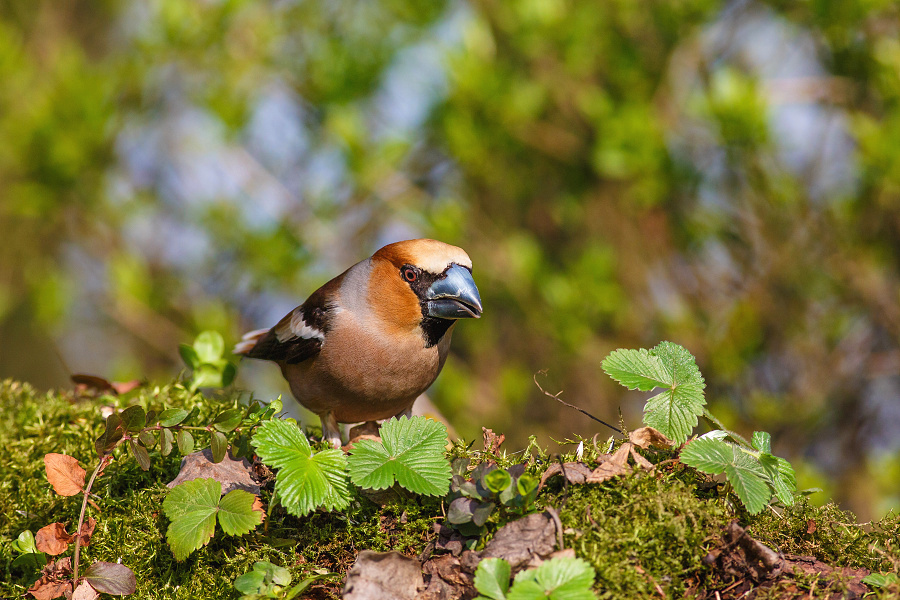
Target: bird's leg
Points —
{"points": [[331, 431], [406, 413]]}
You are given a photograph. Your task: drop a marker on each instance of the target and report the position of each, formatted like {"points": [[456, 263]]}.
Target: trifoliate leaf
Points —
{"points": [[305, 480], [674, 412], [556, 579], [236, 514], [191, 507], [411, 452], [492, 578], [744, 472]]}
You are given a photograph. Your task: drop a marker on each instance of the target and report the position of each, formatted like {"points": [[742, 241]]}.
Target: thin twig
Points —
{"points": [[84, 502], [558, 399]]}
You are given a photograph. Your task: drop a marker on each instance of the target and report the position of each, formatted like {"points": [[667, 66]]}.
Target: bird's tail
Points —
{"points": [[248, 341]]}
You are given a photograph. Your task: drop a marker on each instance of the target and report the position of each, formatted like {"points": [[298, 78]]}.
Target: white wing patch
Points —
{"points": [[248, 341], [298, 328]]}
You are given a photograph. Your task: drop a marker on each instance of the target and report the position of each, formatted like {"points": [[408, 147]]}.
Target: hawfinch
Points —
{"points": [[367, 343]]}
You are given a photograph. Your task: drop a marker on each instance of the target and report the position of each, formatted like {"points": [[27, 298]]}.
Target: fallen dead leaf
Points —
{"points": [[383, 576], [84, 591], [520, 541], [574, 472], [87, 530], [53, 539], [54, 580], [606, 471], [647, 436], [492, 441], [620, 456], [232, 474], [64, 474]]}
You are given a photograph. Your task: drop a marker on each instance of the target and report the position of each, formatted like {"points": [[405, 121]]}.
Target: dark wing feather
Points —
{"points": [[300, 334]]}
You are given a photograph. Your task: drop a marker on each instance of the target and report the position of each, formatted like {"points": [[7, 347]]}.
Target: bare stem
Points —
{"points": [[561, 401], [87, 493]]}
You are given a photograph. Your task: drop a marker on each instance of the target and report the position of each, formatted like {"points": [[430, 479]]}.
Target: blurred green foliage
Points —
{"points": [[726, 176]]}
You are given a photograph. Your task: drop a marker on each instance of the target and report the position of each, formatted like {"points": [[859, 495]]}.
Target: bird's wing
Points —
{"points": [[298, 336]]}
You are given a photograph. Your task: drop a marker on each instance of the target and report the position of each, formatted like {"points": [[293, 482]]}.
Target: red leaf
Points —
{"points": [[111, 578], [53, 539], [64, 474]]}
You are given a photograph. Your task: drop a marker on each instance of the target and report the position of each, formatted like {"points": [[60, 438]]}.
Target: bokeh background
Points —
{"points": [[724, 175]]}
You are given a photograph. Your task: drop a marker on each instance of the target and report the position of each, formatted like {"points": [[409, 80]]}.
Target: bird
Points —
{"points": [[366, 344]]}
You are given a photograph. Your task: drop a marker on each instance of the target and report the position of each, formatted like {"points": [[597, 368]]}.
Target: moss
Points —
{"points": [[644, 533], [640, 532]]}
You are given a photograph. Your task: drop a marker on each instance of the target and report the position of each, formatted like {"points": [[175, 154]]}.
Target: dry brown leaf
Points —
{"points": [[640, 460], [383, 576], [258, 505], [647, 436], [620, 456], [87, 530], [519, 541], [64, 474], [232, 474], [574, 472], [367, 428], [53, 539], [607, 470], [492, 441], [84, 591], [54, 581], [123, 387]]}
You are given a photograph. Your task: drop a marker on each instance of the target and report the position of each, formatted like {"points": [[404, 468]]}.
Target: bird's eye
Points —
{"points": [[410, 275]]}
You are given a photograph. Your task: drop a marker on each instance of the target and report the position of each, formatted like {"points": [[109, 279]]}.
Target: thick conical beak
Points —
{"points": [[455, 296]]}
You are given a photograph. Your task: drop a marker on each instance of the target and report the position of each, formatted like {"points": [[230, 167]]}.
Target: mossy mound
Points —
{"points": [[644, 534]]}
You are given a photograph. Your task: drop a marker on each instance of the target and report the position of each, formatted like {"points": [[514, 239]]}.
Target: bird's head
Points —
{"points": [[425, 282]]}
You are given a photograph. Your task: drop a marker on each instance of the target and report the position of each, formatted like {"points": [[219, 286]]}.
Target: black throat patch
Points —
{"points": [[433, 328]]}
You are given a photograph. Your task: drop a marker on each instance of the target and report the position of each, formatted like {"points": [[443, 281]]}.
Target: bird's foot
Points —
{"points": [[331, 430]]}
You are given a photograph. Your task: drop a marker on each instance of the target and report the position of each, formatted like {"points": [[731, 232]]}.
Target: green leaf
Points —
{"points": [[749, 487], [305, 480], [492, 578], [780, 476], [111, 578], [762, 441], [166, 441], [207, 376], [133, 418], [744, 471], [209, 346], [189, 355], [25, 543], [708, 455], [881, 579], [191, 507], [674, 412], [147, 439], [229, 420], [236, 514], [218, 445], [112, 433], [411, 452], [636, 369], [185, 442], [250, 583], [497, 480], [172, 416], [140, 455], [556, 579]]}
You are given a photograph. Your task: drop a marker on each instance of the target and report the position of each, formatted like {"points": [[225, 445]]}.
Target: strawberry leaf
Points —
{"points": [[411, 452]]}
